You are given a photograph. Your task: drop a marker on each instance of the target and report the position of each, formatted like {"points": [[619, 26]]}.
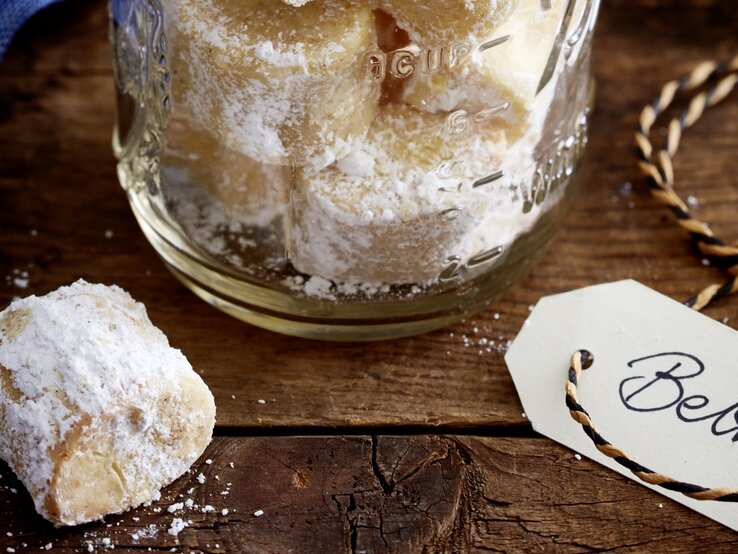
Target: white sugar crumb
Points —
{"points": [[625, 190], [48, 546], [524, 416], [201, 479], [224, 511], [148, 532], [175, 507], [258, 513], [189, 503], [319, 287], [208, 461], [261, 401], [10, 549], [178, 524], [661, 506], [692, 201], [577, 457], [485, 340], [18, 279], [207, 509]]}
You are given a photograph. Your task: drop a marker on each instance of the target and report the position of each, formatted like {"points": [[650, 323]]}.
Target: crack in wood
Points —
{"points": [[386, 487], [497, 503]]}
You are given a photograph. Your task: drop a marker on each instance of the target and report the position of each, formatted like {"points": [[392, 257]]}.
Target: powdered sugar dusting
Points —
{"points": [[86, 359], [278, 84]]}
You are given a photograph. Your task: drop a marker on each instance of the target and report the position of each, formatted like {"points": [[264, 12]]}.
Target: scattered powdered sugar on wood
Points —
{"points": [[19, 278], [177, 526]]}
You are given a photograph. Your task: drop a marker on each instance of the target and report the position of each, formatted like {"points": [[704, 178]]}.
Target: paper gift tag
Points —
{"points": [[663, 386]]}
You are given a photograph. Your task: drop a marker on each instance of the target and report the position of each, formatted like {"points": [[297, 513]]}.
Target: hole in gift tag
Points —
{"points": [[587, 359]]}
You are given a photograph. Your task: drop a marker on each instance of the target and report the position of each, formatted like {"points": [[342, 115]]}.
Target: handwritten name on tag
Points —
{"points": [[663, 383], [663, 387]]}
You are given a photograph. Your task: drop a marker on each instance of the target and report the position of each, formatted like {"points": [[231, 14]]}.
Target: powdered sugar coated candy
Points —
{"points": [[506, 75], [279, 83], [97, 411], [439, 23], [249, 191], [397, 206]]}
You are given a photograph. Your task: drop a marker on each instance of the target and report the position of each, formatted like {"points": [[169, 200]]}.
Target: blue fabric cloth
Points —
{"points": [[13, 14]]}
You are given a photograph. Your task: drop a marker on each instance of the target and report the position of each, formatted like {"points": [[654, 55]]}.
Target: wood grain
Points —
{"points": [[387, 494]]}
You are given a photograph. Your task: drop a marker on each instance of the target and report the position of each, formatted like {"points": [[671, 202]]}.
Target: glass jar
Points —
{"points": [[351, 169]]}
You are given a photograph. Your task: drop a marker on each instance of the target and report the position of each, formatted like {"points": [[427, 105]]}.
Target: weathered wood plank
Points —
{"points": [[387, 494]]}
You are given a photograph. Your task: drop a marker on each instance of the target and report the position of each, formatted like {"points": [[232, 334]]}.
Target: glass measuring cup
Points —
{"points": [[348, 169]]}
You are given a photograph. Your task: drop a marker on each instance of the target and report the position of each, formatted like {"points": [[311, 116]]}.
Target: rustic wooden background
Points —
{"points": [[405, 446]]}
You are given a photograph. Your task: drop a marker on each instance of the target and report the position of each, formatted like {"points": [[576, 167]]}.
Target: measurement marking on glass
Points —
{"points": [[489, 179], [452, 214], [484, 257], [484, 115], [454, 189], [452, 270], [495, 42]]}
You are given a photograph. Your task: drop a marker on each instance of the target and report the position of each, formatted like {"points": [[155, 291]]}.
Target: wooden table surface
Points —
{"points": [[406, 446]]}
